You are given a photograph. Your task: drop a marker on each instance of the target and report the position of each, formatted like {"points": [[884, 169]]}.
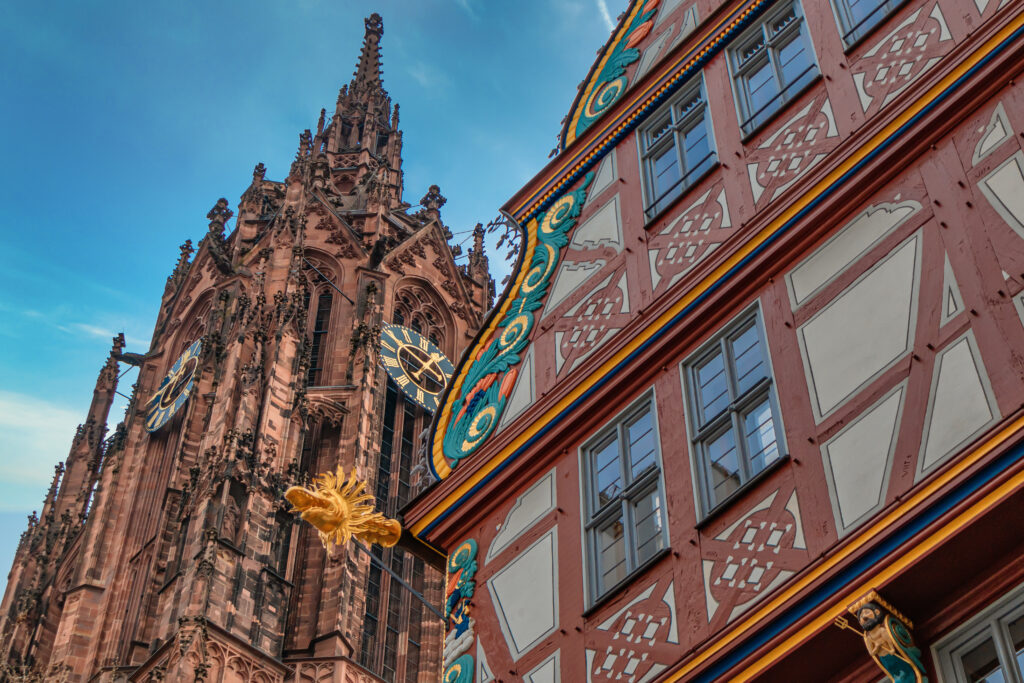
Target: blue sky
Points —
{"points": [[123, 122]]}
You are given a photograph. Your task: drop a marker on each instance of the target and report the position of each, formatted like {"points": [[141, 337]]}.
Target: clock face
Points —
{"points": [[175, 389], [415, 363]]}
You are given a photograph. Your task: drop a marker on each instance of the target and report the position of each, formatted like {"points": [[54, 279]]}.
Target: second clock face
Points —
{"points": [[175, 389], [416, 364]]}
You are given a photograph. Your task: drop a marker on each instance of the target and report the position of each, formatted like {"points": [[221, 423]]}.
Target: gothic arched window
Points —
{"points": [[321, 320], [419, 309]]}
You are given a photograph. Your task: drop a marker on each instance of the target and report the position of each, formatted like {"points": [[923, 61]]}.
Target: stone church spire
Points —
{"points": [[367, 74]]}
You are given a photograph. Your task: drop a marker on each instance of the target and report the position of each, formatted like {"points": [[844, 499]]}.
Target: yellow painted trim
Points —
{"points": [[864, 537], [716, 32], [437, 447], [711, 278], [570, 134]]}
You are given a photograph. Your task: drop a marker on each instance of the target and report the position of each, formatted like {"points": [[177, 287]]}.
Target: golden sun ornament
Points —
{"points": [[340, 509]]}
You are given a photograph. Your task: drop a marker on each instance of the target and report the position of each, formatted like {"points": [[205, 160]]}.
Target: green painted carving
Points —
{"points": [[604, 88], [490, 378]]}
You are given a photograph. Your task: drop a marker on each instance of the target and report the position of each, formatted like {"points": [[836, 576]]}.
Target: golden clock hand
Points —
{"points": [[431, 362]]}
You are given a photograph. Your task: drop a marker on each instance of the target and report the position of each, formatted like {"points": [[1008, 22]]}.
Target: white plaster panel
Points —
{"points": [[952, 302], [571, 274], [525, 594], [858, 460], [483, 669], [606, 174], [997, 130], [651, 53], [666, 10], [846, 247], [961, 402], [707, 566], [547, 671], [529, 508], [863, 330], [601, 229], [1004, 189], [523, 392]]}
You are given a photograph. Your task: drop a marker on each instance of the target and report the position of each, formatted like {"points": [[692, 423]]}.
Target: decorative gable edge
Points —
{"points": [[474, 401]]}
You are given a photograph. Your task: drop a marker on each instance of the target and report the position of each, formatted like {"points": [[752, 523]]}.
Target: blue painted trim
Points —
{"points": [[862, 565], [1016, 35]]}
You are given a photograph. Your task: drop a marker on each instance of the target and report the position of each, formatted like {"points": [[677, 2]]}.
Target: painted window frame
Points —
{"points": [[852, 33], [770, 45], [701, 433], [595, 516], [990, 623], [686, 110]]}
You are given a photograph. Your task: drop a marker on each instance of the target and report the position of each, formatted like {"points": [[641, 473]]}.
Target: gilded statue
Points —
{"points": [[340, 509]]}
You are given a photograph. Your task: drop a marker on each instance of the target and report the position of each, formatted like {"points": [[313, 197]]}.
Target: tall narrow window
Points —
{"points": [[415, 633], [772, 62], [733, 408], [858, 17], [405, 456], [320, 326], [394, 617], [676, 148], [387, 445], [625, 506], [368, 651]]}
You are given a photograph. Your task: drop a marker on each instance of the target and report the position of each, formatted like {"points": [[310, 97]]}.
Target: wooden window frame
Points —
{"points": [[596, 516]]}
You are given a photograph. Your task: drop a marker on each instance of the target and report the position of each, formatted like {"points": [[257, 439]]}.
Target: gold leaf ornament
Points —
{"points": [[340, 508]]}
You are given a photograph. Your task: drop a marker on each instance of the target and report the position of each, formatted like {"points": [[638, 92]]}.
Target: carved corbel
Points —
{"points": [[887, 637]]}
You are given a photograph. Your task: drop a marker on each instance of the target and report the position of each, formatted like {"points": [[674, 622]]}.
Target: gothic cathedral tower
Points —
{"points": [[165, 551]]}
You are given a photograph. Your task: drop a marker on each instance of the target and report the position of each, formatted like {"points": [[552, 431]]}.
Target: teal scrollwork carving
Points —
{"points": [[459, 671], [604, 88], [490, 377], [460, 633]]}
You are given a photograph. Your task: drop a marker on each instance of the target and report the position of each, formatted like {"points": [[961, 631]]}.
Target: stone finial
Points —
{"points": [[219, 215], [259, 172], [433, 200]]}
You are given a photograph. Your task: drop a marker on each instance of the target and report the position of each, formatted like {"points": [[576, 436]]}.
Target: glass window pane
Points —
{"points": [[865, 15], [712, 388], [1016, 629], [607, 471], [647, 517], [761, 90], [759, 432], [746, 354], [641, 444], [794, 59], [657, 130], [724, 466], [981, 664], [611, 554], [697, 149], [665, 166]]}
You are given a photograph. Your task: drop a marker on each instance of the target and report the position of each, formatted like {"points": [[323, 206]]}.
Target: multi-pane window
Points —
{"points": [[676, 148], [990, 648], [771, 64], [734, 412], [625, 506], [858, 17]]}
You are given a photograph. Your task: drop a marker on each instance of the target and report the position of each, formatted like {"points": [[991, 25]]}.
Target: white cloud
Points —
{"points": [[467, 8], [602, 5], [427, 76], [35, 435]]}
